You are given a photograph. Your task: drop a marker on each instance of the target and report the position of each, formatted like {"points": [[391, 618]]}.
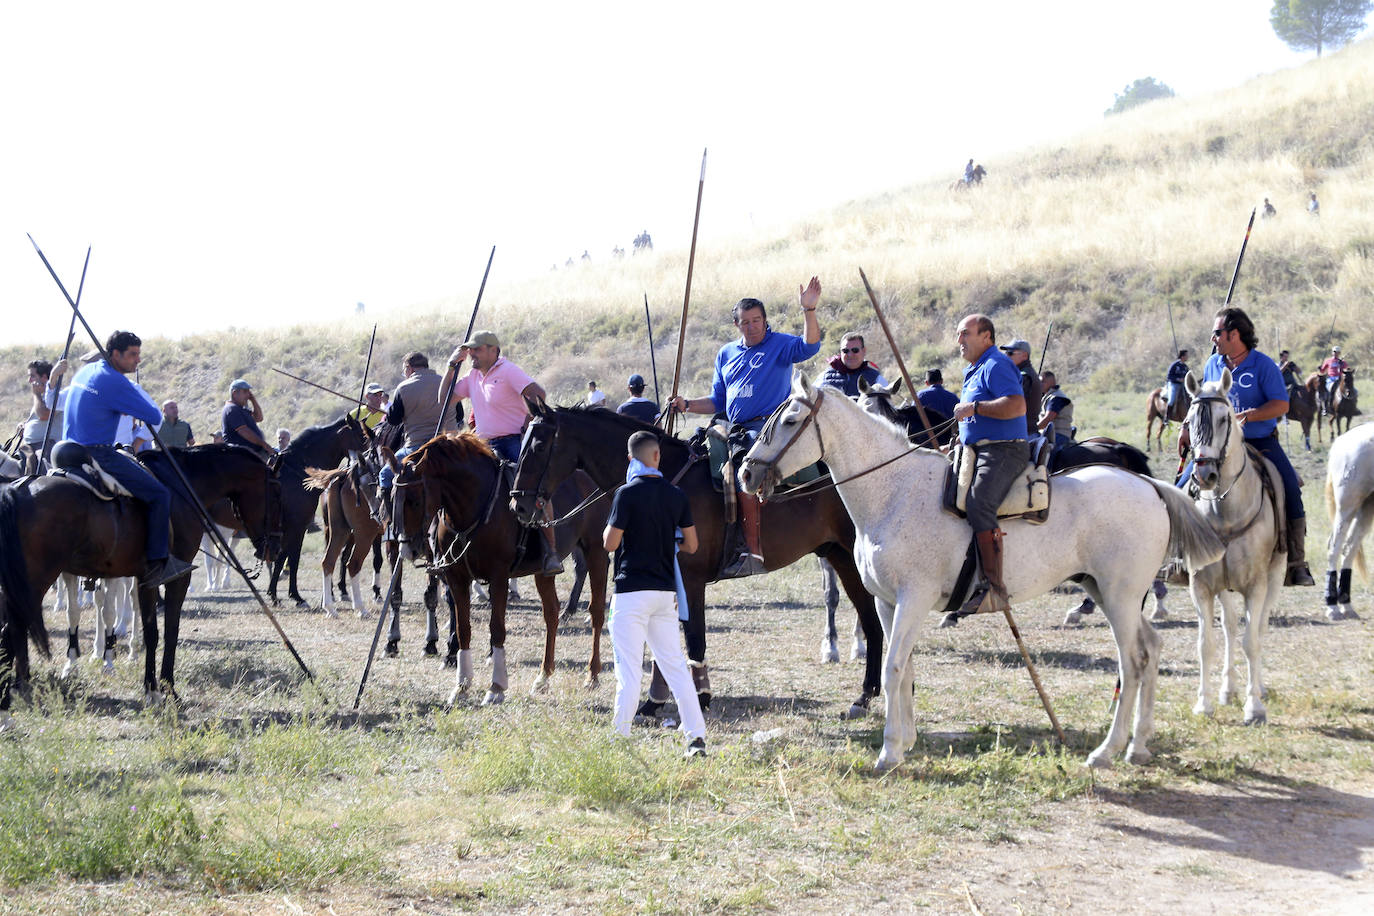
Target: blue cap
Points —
{"points": [[636, 381], [240, 385]]}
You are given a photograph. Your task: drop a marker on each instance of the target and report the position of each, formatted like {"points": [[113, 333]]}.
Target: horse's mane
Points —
{"points": [[625, 422], [309, 436], [452, 449], [198, 454]]}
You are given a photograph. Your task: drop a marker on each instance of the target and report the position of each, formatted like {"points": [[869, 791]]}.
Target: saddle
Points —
{"points": [[72, 461], [1029, 496]]}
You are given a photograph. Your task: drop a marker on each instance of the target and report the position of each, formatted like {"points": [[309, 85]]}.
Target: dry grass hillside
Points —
{"points": [[1096, 234]]}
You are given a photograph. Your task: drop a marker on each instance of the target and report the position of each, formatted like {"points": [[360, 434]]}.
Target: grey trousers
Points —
{"points": [[994, 472]]}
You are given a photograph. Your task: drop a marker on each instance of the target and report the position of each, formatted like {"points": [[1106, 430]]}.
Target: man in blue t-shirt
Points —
{"points": [[240, 418], [992, 415], [1259, 398], [935, 396], [1173, 383], [645, 516], [753, 376], [100, 395]]}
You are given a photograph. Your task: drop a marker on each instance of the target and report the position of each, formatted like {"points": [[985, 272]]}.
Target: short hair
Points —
{"points": [[935, 377], [1234, 319], [1283, 353], [983, 323], [283, 430], [417, 360], [41, 366], [591, 384], [1048, 373], [642, 443], [744, 305], [1182, 353], [122, 340], [855, 335], [167, 402]]}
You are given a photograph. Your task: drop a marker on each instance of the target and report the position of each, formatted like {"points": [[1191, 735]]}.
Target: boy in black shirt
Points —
{"points": [[644, 516]]}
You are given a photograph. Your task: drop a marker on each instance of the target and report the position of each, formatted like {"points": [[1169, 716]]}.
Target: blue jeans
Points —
{"points": [[146, 489], [386, 476], [1270, 448], [507, 448]]}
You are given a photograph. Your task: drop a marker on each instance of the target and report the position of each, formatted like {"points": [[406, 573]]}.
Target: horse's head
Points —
{"points": [[1210, 420], [544, 463], [408, 506], [876, 400], [782, 448]]}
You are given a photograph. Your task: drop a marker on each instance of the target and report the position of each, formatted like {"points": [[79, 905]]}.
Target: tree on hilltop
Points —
{"points": [[1138, 93], [1306, 25]]}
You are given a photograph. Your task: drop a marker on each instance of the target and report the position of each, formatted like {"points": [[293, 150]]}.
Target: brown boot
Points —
{"points": [[1298, 573], [991, 595], [750, 562], [552, 565]]}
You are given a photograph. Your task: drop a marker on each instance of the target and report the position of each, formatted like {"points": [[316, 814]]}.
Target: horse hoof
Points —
{"points": [[393, 649], [1072, 618], [454, 695], [1202, 709], [1348, 613], [1159, 614], [856, 710], [302, 604], [887, 761], [1097, 760], [494, 698], [591, 682], [154, 699], [364, 613], [540, 685], [830, 653], [1258, 717], [331, 614], [1333, 613], [1138, 756], [107, 667], [68, 669], [432, 647], [450, 661], [858, 651]]}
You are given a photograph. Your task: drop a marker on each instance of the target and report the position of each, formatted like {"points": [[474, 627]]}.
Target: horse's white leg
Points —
{"points": [[1259, 607], [859, 649], [67, 583], [900, 721], [1232, 606], [830, 593], [1126, 626], [1364, 515], [356, 589], [1159, 590], [133, 633], [500, 683], [1138, 752], [1202, 600], [327, 596]]}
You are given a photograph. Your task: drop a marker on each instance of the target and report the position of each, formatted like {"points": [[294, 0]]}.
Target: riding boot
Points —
{"points": [[990, 597], [160, 572], [1298, 573], [750, 562], [552, 565]]}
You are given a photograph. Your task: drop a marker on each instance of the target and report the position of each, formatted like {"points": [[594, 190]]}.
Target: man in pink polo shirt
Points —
{"points": [[497, 389]]}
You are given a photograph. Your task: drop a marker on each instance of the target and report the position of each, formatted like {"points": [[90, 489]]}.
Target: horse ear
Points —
{"points": [[1190, 384], [1225, 380], [897, 386], [803, 385], [537, 407], [389, 457], [863, 385]]}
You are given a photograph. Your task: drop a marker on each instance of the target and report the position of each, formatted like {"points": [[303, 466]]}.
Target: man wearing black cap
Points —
{"points": [[637, 405], [239, 424], [1019, 351]]}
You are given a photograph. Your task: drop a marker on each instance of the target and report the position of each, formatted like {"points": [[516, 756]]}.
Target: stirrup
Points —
{"points": [[984, 600], [748, 564]]}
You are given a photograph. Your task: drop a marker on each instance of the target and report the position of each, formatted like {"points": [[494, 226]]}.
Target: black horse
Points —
{"points": [[317, 447], [559, 441], [52, 525]]}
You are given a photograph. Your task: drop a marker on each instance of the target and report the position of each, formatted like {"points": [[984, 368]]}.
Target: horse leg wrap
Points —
{"points": [[1332, 577], [498, 669], [464, 669], [701, 679], [1343, 596], [73, 646], [658, 687]]}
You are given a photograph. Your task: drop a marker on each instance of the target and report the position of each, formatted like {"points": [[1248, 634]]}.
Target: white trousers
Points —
{"points": [[650, 617]]}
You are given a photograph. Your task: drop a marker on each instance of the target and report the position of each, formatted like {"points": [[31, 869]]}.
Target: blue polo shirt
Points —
{"points": [[992, 375], [100, 395], [938, 398], [751, 382], [1254, 383]]}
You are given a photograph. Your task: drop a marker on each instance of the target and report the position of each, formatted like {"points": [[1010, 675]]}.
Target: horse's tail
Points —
{"points": [[17, 605], [320, 480], [1358, 560], [1190, 537]]}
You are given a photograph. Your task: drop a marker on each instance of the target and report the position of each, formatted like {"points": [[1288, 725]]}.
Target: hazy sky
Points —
{"points": [[256, 163]]}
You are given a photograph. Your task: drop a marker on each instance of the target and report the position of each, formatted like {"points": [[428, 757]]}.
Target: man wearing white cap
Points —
{"points": [[497, 389], [239, 424], [1333, 367], [373, 411], [1019, 351]]}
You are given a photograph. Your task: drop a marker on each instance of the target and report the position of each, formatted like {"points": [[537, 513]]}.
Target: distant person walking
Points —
{"points": [[645, 516], [1269, 210], [1313, 208]]}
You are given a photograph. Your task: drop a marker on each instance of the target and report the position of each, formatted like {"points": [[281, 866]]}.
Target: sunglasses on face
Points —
{"points": [[1218, 332], [851, 349]]}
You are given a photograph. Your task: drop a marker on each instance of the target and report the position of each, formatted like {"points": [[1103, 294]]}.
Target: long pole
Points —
{"points": [[439, 427], [337, 394], [206, 522], [687, 295], [1240, 258], [66, 351], [653, 364], [896, 354], [1168, 305], [1045, 349], [367, 368]]}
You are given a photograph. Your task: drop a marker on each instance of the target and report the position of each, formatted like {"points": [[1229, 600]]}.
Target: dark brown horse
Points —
{"points": [[453, 487], [560, 441], [1344, 403], [1302, 408], [51, 525]]}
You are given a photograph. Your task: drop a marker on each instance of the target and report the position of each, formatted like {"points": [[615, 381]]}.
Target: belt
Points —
{"points": [[507, 436]]}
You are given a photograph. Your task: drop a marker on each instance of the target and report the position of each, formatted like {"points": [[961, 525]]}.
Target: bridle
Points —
{"points": [[1196, 419], [540, 494]]}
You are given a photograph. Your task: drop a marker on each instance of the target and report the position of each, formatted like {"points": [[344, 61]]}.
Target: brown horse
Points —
{"points": [[347, 516], [1344, 403], [455, 488], [1157, 408], [52, 525], [560, 441]]}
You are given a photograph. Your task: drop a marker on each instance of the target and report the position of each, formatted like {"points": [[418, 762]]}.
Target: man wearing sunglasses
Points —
{"points": [[1260, 398], [850, 365]]}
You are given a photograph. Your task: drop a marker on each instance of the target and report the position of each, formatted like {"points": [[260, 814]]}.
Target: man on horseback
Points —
{"points": [[100, 394], [992, 411], [498, 389], [1332, 368], [850, 365], [239, 424], [637, 405], [42, 375], [1260, 398], [753, 375], [373, 411], [1019, 352], [935, 396], [1056, 412], [1173, 383], [1289, 371]]}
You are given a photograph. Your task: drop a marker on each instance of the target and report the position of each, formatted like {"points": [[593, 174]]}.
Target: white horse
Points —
{"points": [[114, 604], [1350, 503], [1107, 525], [1232, 498]]}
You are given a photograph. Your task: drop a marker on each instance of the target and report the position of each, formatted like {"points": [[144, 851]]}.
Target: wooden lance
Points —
{"points": [[686, 296]]}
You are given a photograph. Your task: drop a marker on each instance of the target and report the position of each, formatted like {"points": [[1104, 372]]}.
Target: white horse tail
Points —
{"points": [[1190, 537]]}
